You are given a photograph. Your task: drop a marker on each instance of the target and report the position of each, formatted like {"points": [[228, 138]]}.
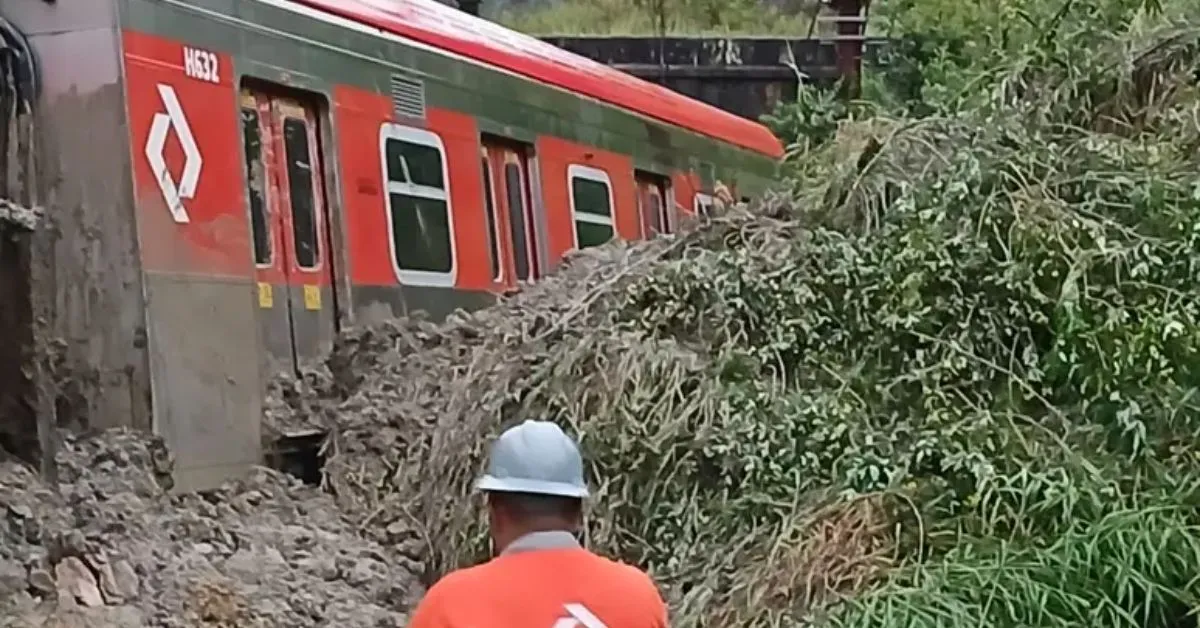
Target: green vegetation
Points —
{"points": [[679, 17], [1010, 314]]}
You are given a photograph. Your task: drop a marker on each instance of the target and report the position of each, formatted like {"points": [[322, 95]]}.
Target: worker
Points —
{"points": [[541, 575]]}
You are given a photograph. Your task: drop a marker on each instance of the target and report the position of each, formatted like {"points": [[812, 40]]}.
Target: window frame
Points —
{"points": [[539, 230], [423, 137], [314, 190], [590, 173], [250, 104], [699, 201], [527, 243], [660, 212], [489, 190], [671, 207], [663, 188]]}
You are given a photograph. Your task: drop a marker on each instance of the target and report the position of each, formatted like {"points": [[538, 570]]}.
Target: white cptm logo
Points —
{"points": [[578, 616], [173, 193]]}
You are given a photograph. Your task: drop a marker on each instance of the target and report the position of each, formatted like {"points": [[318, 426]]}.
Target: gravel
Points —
{"points": [[112, 548]]}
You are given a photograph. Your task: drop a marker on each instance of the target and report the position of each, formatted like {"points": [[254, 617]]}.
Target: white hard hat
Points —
{"points": [[535, 457]]}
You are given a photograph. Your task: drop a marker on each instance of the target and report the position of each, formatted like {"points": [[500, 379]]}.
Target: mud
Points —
{"points": [[298, 404], [22, 218], [112, 548]]}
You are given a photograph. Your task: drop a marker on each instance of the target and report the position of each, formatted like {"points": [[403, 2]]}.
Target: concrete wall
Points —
{"points": [[97, 298]]}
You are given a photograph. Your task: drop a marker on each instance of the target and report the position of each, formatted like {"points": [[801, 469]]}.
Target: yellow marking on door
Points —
{"points": [[312, 297], [266, 295]]}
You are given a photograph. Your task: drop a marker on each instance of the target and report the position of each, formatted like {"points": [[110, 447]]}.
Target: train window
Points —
{"points": [[654, 212], [649, 221], [591, 206], [420, 164], [489, 199], [418, 204], [703, 205], [660, 222], [300, 190], [515, 185], [256, 185]]}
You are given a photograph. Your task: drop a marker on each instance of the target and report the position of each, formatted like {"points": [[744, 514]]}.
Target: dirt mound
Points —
{"points": [[112, 548]]}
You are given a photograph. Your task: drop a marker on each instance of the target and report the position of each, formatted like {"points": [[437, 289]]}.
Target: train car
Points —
{"points": [[233, 181]]}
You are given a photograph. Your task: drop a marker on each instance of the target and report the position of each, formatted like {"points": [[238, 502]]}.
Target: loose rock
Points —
{"points": [[111, 548], [76, 582]]}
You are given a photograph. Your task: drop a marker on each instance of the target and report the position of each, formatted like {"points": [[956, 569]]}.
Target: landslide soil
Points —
{"points": [[110, 547]]}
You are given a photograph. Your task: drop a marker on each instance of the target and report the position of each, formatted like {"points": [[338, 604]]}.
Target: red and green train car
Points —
{"points": [[235, 180]]}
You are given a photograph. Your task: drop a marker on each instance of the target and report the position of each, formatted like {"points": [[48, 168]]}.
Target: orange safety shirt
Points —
{"points": [[543, 580]]}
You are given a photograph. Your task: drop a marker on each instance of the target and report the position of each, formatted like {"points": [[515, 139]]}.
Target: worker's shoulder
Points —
{"points": [[457, 580], [630, 574]]}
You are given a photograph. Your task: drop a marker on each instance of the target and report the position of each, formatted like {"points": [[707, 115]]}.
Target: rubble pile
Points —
{"points": [[293, 404], [110, 548]]}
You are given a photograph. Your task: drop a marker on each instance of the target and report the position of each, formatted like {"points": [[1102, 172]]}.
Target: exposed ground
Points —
{"points": [[111, 549]]}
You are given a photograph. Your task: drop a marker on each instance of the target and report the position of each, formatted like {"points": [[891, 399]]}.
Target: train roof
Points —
{"points": [[445, 27]]}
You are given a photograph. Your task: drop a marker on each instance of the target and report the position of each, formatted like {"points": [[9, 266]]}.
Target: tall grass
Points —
{"points": [[1135, 568]]}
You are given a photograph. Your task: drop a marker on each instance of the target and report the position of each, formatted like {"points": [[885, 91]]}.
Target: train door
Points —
{"points": [[511, 213], [655, 213], [289, 227]]}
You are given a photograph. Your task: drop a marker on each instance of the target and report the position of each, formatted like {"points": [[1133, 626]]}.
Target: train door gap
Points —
{"points": [[655, 214], [327, 175], [512, 226], [290, 223], [299, 454]]}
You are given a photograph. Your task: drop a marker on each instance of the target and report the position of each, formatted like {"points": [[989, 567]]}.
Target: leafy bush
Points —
{"points": [[810, 121]]}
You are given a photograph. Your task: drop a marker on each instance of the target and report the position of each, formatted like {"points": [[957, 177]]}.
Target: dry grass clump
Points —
{"points": [[817, 556]]}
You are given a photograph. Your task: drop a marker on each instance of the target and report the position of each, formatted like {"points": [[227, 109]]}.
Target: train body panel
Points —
{"points": [[437, 24], [287, 170]]}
